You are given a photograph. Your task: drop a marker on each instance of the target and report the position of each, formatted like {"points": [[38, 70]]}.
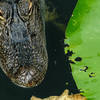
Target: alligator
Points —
{"points": [[23, 53]]}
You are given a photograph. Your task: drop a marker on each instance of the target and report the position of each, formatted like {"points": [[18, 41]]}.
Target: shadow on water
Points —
{"points": [[59, 71]]}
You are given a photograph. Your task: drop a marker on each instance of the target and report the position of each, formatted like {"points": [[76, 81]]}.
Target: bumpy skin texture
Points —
{"points": [[23, 55]]}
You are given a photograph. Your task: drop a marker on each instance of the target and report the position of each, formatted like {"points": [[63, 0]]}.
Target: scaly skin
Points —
{"points": [[23, 55]]}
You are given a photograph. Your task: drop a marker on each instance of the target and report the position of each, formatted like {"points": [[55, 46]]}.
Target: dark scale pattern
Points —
{"points": [[23, 55]]}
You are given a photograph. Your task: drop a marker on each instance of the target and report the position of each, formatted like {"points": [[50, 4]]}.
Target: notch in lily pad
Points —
{"points": [[78, 59], [85, 68], [92, 74], [69, 53]]}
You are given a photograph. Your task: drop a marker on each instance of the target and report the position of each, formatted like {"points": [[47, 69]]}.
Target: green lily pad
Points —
{"points": [[83, 38]]}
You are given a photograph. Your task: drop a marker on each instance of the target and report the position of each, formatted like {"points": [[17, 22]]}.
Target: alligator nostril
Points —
{"points": [[0, 13], [7, 34], [33, 35], [16, 1]]}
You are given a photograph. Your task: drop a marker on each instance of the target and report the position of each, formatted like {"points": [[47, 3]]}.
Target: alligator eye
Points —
{"points": [[25, 8], [5, 12], [1, 16]]}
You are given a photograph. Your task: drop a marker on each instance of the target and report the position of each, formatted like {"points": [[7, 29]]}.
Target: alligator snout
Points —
{"points": [[23, 54], [25, 65]]}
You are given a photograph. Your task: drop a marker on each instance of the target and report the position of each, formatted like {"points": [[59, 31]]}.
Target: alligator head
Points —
{"points": [[23, 55]]}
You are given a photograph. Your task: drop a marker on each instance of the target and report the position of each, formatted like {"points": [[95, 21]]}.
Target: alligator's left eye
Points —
{"points": [[5, 12], [25, 8], [1, 16]]}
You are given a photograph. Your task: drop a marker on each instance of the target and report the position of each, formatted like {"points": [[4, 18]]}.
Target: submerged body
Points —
{"points": [[23, 55]]}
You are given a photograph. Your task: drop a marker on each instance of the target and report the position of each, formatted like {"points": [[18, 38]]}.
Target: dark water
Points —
{"points": [[59, 71]]}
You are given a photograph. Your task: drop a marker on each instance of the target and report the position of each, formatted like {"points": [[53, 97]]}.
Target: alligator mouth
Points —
{"points": [[28, 77], [29, 67], [24, 65]]}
